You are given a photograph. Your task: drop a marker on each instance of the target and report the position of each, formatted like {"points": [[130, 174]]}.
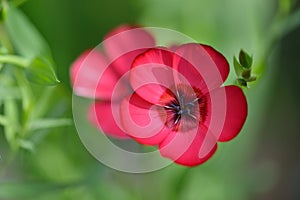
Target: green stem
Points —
{"points": [[15, 60]]}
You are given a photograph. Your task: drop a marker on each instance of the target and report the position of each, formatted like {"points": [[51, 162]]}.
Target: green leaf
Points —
{"points": [[28, 145], [24, 36], [237, 67], [29, 43], [245, 59], [49, 123], [41, 71]]}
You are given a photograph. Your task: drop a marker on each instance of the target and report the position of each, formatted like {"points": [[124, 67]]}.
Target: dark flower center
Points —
{"points": [[185, 107]]}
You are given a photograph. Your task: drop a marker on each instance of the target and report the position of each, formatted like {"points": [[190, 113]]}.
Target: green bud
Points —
{"points": [[246, 74], [251, 79], [242, 82], [238, 68], [245, 59]]}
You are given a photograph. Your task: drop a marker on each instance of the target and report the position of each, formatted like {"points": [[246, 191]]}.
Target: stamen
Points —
{"points": [[186, 109], [178, 96], [177, 119], [195, 100], [169, 107], [192, 116]]}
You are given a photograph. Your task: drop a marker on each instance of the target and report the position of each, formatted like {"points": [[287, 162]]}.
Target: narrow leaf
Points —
{"points": [[237, 67], [41, 71], [50, 123], [29, 43], [28, 145], [25, 37]]}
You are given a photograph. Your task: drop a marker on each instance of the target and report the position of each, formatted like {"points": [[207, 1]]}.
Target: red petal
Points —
{"points": [[188, 148], [86, 71], [220, 61], [152, 74], [235, 111], [130, 48], [105, 116], [125, 39], [123, 63], [116, 87], [142, 120], [201, 65], [92, 77]]}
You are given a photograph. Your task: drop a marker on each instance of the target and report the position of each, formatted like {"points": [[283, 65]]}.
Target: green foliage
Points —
{"points": [[25, 58], [243, 68], [11, 125], [245, 59], [28, 42], [24, 36], [41, 71], [49, 123]]}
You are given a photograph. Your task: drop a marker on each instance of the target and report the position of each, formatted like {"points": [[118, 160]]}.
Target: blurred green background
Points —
{"points": [[261, 163]]}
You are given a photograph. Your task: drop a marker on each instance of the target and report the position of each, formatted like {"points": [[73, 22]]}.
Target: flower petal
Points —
{"points": [[123, 64], [185, 147], [152, 74], [236, 111], [142, 120], [118, 86], [125, 39], [201, 65], [92, 76], [101, 115], [86, 71], [220, 61]]}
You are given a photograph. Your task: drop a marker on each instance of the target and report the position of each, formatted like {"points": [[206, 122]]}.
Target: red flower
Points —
{"points": [[95, 75], [180, 105]]}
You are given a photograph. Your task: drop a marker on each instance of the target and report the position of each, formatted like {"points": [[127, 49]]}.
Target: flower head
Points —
{"points": [[172, 98], [179, 103], [95, 74]]}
